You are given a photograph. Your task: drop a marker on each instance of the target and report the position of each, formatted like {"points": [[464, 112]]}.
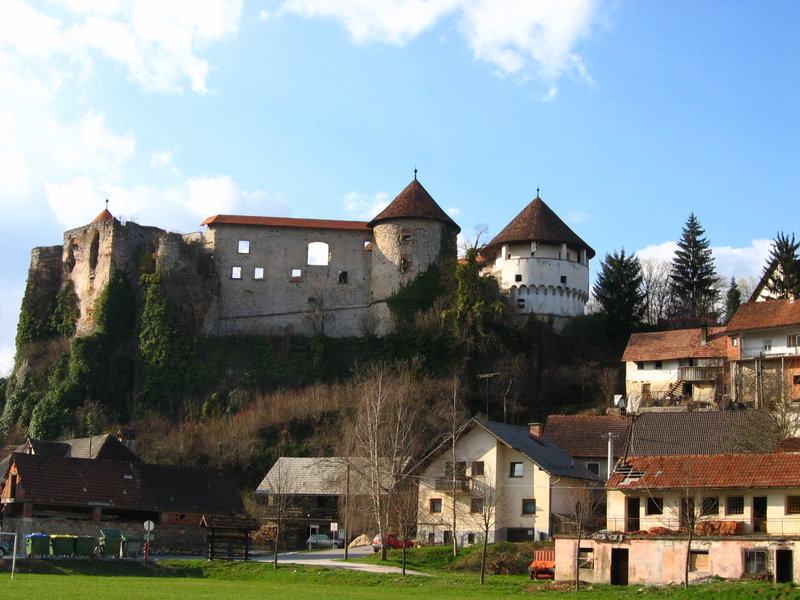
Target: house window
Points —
{"points": [[515, 469], [755, 562], [436, 505], [796, 379], [563, 279], [639, 365], [258, 273], [734, 505], [236, 272], [518, 277], [477, 468], [244, 247], [296, 274], [735, 341], [460, 471], [528, 506], [793, 341], [767, 345], [594, 468], [586, 558], [658, 364], [655, 506], [698, 560], [476, 505], [470, 538], [793, 505], [342, 276], [710, 505]]}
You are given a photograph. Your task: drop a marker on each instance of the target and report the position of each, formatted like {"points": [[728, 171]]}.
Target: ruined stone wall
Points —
{"points": [[267, 286]]}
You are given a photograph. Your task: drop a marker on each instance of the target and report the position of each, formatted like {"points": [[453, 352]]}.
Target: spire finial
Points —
{"points": [[415, 172], [537, 191], [106, 203]]}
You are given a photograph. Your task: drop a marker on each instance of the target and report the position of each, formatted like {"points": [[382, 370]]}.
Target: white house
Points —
{"points": [[525, 478]]}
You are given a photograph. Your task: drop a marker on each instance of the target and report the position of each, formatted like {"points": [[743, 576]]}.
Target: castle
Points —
{"points": [[271, 275]]}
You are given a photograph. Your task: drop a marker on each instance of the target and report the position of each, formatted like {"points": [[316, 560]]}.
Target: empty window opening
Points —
{"points": [[318, 254], [710, 505], [342, 276], [244, 247], [367, 246], [517, 277], [796, 379], [655, 506], [406, 235], [586, 558], [470, 538], [258, 273], [296, 274], [94, 251], [594, 468], [528, 506], [236, 272], [658, 365], [563, 279]]}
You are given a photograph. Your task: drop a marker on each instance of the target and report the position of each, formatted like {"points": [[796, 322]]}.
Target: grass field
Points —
{"points": [[198, 580]]}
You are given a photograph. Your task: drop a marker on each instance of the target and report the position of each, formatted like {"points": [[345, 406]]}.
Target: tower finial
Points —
{"points": [[106, 203], [537, 191], [415, 172]]}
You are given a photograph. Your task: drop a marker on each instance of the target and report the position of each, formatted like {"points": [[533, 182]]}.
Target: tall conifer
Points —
{"points": [[692, 275], [619, 291]]}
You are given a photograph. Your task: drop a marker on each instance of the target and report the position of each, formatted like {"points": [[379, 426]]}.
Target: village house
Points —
{"points": [[676, 369], [594, 441], [516, 474], [744, 509]]}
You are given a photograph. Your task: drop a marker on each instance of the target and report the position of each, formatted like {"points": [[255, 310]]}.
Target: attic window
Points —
{"points": [[236, 272], [244, 247], [296, 274]]}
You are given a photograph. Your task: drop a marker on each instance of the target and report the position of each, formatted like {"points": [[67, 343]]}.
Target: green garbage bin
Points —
{"points": [[37, 544], [131, 546], [110, 542], [84, 545], [62, 545]]}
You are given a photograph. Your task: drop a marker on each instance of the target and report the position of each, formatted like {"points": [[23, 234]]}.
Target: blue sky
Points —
{"points": [[628, 115]]}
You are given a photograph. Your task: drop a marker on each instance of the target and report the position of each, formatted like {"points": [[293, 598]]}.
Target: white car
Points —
{"points": [[321, 540]]}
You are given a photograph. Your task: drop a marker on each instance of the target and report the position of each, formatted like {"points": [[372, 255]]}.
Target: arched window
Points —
{"points": [[318, 253]]}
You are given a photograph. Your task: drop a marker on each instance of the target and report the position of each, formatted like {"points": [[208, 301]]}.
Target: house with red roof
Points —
{"points": [[592, 440], [676, 367], [744, 511]]}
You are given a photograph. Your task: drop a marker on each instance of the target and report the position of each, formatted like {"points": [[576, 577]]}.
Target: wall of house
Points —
{"points": [[659, 379], [659, 561]]}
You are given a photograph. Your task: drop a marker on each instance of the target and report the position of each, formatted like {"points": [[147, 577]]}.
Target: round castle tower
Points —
{"points": [[542, 263], [409, 235]]}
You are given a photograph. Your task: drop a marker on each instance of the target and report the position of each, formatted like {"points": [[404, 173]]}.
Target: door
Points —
{"points": [[632, 522], [619, 566], [783, 566], [759, 514]]}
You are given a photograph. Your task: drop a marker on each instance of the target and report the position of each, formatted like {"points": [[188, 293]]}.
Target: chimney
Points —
{"points": [[536, 430], [703, 334]]}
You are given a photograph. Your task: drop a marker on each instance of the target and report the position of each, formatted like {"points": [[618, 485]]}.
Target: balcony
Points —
{"points": [[661, 526], [445, 485], [772, 353], [696, 374]]}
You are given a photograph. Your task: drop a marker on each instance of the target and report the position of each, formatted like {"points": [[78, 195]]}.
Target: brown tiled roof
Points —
{"points": [[765, 315], [710, 472], [675, 343], [98, 446], [583, 436], [414, 202], [125, 485], [700, 432], [536, 222], [791, 444], [103, 216], [285, 222]]}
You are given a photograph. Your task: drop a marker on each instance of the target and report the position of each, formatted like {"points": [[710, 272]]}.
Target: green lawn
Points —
{"points": [[197, 580]]}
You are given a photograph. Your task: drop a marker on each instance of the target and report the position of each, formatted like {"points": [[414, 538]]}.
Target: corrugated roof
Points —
{"points": [[414, 202], [765, 315], [286, 222], [536, 222], [699, 432], [582, 436], [674, 344], [541, 451], [128, 485], [710, 472]]}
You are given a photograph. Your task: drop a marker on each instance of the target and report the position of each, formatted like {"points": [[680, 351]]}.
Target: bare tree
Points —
{"points": [[655, 280], [483, 510], [455, 416], [586, 500], [280, 501], [404, 512]]}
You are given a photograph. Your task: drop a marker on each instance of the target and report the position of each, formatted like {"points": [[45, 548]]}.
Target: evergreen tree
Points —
{"points": [[732, 299], [620, 293], [783, 268], [692, 275]]}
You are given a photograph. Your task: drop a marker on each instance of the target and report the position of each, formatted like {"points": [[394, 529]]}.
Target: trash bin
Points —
{"points": [[37, 544], [84, 545], [62, 545], [131, 546], [110, 542]]}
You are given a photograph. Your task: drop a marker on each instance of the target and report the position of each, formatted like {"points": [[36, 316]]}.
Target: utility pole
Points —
{"points": [[610, 437]]}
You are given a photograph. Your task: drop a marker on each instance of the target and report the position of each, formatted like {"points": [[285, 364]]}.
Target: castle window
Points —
{"points": [[342, 276], [94, 251], [367, 246], [296, 274], [244, 247], [405, 264], [318, 254], [517, 277], [520, 303], [406, 235], [563, 279], [236, 272], [258, 273]]}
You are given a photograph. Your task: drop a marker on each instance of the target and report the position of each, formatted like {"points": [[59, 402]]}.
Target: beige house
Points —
{"points": [[744, 509], [512, 478]]}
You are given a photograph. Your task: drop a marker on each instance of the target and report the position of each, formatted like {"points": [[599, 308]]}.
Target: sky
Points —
{"points": [[626, 115]]}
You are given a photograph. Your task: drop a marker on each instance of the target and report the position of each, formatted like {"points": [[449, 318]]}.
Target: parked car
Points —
{"points": [[5, 548], [321, 540], [392, 541]]}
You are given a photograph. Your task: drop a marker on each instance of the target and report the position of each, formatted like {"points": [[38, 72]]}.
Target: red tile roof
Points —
{"points": [[286, 222], [414, 202], [765, 315], [583, 436], [124, 485], [710, 471], [536, 222], [675, 343], [103, 216], [791, 444]]}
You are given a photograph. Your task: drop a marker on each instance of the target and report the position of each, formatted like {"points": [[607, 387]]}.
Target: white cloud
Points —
{"points": [[453, 211], [746, 262], [512, 35], [364, 206]]}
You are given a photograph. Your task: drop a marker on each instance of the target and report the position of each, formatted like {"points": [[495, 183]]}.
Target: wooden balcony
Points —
{"points": [[445, 485], [694, 374]]}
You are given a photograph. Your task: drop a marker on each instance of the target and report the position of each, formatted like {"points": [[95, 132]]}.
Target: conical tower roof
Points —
{"points": [[103, 216], [414, 202], [537, 222]]}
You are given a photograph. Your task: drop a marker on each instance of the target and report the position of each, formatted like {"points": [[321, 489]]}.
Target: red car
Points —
{"points": [[392, 541]]}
